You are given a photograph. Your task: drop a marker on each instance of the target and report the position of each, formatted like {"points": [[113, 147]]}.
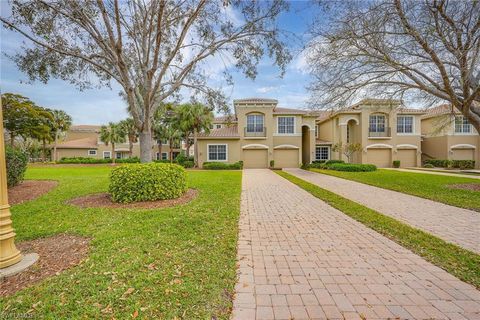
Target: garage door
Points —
{"points": [[255, 158], [379, 157], [407, 157], [287, 158], [463, 154]]}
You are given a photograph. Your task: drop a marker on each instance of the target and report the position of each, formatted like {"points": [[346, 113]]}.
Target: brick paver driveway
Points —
{"points": [[300, 258], [452, 224]]}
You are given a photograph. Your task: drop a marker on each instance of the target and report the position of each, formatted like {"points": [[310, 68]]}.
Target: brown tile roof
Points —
{"points": [[85, 143], [227, 118], [440, 110], [225, 132], [279, 110]]}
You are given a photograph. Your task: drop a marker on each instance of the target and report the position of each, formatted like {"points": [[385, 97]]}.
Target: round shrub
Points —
{"points": [[147, 182], [16, 165], [428, 165]]}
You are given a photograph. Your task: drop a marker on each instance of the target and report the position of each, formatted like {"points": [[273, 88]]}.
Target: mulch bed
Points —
{"points": [[466, 186], [29, 190], [103, 200], [57, 253]]}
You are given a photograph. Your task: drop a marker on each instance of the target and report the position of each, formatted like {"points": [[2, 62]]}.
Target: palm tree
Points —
{"points": [[128, 126], [112, 134], [60, 124], [195, 118]]}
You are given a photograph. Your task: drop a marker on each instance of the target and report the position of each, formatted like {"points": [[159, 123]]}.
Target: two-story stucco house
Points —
{"points": [[447, 135], [84, 141], [260, 132], [385, 129]]}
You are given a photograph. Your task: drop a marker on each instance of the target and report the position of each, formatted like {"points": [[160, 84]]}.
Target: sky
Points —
{"points": [[100, 106]]}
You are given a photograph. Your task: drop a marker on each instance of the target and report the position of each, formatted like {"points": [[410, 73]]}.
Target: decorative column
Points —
{"points": [[9, 254]]}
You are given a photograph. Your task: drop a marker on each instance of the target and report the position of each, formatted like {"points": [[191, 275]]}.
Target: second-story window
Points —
{"points": [[404, 124], [218, 126], [286, 125], [377, 123], [255, 123], [462, 125]]}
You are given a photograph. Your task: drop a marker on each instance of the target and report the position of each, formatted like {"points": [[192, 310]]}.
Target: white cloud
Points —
{"points": [[266, 89]]}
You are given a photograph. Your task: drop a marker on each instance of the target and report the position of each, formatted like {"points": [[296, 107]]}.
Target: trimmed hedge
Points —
{"points": [[147, 182], [16, 165], [223, 166], [352, 167], [460, 164], [328, 162], [396, 163], [428, 165], [86, 160]]}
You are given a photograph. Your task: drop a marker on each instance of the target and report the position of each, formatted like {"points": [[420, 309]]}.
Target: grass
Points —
{"points": [[193, 247], [424, 185], [462, 263]]}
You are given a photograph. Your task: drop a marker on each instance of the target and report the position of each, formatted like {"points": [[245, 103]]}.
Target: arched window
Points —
{"points": [[255, 123]]}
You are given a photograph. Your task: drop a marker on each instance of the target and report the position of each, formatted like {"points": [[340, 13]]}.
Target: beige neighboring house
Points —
{"points": [[258, 133], [84, 141], [386, 130], [447, 135]]}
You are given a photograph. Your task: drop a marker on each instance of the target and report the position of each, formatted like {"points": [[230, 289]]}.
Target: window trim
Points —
{"points": [[470, 132], [217, 144], [413, 125], [329, 148], [109, 154], [92, 154], [385, 124], [255, 123], [294, 126], [218, 126]]}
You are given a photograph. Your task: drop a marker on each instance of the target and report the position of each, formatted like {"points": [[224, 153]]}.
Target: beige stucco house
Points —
{"points": [[385, 129], [84, 141], [447, 135], [258, 133]]}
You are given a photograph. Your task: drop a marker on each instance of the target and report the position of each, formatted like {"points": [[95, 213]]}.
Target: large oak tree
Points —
{"points": [[408, 49], [153, 49]]}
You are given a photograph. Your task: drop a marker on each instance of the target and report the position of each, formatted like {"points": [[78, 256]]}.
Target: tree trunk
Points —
{"points": [[113, 154], [187, 146], [130, 147], [55, 148], [145, 139], [170, 142], [195, 147], [44, 151], [12, 139]]}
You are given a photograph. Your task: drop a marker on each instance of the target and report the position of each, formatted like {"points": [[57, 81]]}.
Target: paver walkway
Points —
{"points": [[299, 258], [452, 224]]}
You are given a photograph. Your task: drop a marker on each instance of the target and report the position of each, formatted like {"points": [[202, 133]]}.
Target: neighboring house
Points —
{"points": [[84, 141], [258, 133], [447, 135], [384, 128]]}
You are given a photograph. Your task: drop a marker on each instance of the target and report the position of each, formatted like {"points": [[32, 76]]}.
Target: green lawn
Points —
{"points": [[193, 244], [429, 186], [462, 263]]}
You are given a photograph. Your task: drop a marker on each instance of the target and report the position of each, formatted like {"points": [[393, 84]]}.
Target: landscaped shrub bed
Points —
{"points": [[223, 166], [147, 182], [16, 165], [459, 164], [352, 167], [85, 160]]}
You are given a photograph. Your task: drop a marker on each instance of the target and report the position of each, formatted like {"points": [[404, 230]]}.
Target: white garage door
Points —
{"points": [[286, 158], [407, 157], [380, 157], [255, 158], [463, 154]]}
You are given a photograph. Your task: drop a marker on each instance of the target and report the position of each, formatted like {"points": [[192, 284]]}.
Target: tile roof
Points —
{"points": [[85, 143], [227, 118], [225, 132], [440, 110], [255, 100], [279, 110]]}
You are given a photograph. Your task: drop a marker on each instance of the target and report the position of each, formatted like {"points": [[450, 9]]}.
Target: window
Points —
{"points": [[286, 125], [404, 124], [218, 126], [462, 125], [348, 133], [92, 152], [254, 123], [118, 155], [164, 155], [217, 152], [377, 123], [107, 155], [322, 153]]}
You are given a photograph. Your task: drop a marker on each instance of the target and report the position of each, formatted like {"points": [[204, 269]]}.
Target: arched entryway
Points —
{"points": [[306, 152]]}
